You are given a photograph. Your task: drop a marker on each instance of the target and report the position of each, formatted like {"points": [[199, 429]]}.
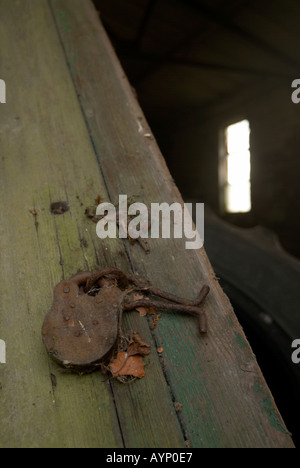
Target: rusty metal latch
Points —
{"points": [[82, 329]]}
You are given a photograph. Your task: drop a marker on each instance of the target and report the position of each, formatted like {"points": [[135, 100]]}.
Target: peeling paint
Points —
{"points": [[267, 405]]}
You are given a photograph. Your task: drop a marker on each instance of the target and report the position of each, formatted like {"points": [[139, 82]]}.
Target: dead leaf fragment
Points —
{"points": [[98, 200], [127, 365], [143, 311], [90, 213], [129, 360], [138, 346], [154, 322], [178, 406]]}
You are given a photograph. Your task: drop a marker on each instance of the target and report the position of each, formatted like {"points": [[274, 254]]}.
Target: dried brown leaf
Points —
{"points": [[129, 362], [178, 406], [138, 346], [143, 311], [98, 200], [127, 365]]}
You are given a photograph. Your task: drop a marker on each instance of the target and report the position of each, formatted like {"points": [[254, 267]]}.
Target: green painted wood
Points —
{"points": [[45, 156], [225, 399]]}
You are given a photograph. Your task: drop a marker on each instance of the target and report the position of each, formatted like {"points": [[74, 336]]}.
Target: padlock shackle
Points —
{"points": [[90, 278]]}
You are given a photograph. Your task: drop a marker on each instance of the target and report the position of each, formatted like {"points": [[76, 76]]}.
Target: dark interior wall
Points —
{"points": [[190, 145], [276, 167], [199, 65]]}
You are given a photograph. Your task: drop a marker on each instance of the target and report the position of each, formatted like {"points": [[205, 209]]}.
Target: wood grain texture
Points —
{"points": [[45, 156], [226, 402]]}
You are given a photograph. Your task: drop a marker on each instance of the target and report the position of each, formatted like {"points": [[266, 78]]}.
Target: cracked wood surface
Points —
{"points": [[71, 130]]}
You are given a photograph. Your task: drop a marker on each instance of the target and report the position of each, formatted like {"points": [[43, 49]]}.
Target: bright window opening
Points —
{"points": [[237, 170]]}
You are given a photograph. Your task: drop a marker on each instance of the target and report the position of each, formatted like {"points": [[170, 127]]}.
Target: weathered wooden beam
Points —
{"points": [[47, 156], [225, 399]]}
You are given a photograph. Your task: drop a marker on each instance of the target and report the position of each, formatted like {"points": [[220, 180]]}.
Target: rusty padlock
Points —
{"points": [[82, 328], [81, 331]]}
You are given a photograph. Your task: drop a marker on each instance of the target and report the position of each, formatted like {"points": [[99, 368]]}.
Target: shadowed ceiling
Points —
{"points": [[183, 54]]}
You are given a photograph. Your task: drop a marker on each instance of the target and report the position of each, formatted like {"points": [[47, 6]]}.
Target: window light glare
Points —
{"points": [[238, 137], [237, 199], [238, 170]]}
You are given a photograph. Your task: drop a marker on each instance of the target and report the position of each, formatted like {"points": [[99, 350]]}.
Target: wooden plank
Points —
{"points": [[226, 402], [46, 155], [41, 158]]}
